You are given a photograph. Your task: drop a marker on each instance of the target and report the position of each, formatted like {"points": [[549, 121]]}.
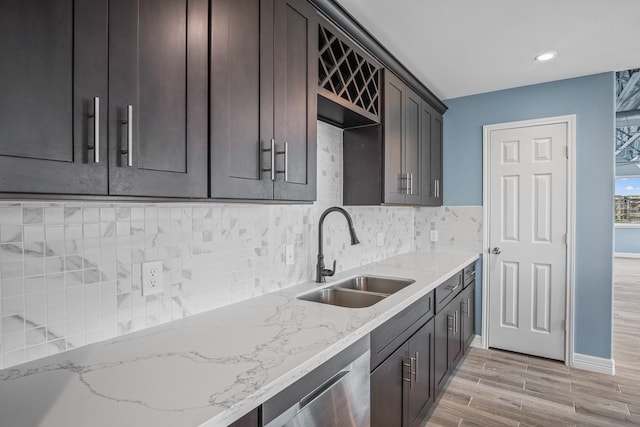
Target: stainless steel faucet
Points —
{"points": [[321, 271]]}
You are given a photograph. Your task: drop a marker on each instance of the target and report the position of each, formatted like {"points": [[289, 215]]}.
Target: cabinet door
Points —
{"points": [[53, 63], [420, 396], [412, 148], [431, 142], [387, 384], [241, 114], [394, 129], [436, 157], [295, 104], [443, 327], [467, 309], [158, 80], [456, 346]]}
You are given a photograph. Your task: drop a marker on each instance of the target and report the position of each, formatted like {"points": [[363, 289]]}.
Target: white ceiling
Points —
{"points": [[464, 47]]}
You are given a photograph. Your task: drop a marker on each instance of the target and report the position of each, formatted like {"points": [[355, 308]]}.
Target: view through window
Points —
{"points": [[627, 202]]}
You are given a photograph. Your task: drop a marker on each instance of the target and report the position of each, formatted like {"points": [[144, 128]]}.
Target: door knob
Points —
{"points": [[496, 251]]}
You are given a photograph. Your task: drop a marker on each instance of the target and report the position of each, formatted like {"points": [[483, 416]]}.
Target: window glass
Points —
{"points": [[627, 200]]}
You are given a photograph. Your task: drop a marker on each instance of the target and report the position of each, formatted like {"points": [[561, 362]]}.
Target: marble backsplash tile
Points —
{"points": [[458, 227], [70, 272]]}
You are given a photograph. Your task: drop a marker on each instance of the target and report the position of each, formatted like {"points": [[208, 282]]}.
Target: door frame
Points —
{"points": [[570, 121]]}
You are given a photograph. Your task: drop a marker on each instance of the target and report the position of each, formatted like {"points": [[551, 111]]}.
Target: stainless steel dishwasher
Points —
{"points": [[341, 400]]}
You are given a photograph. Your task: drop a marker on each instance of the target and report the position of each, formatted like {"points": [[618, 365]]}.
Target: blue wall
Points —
{"points": [[627, 240], [591, 99]]}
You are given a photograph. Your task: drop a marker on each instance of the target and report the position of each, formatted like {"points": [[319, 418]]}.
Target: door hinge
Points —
{"points": [[564, 238], [566, 151], [563, 325]]}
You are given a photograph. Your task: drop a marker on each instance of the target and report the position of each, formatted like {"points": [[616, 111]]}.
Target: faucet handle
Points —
{"points": [[327, 272]]}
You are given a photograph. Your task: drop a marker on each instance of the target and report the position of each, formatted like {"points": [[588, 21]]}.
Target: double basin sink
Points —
{"points": [[357, 292]]}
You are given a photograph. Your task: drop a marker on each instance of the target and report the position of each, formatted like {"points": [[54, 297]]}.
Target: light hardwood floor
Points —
{"points": [[497, 388]]}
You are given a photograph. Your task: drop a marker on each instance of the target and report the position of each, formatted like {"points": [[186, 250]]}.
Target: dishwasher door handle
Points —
{"points": [[309, 398]]}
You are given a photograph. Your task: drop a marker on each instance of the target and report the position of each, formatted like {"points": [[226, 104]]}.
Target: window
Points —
{"points": [[627, 200]]}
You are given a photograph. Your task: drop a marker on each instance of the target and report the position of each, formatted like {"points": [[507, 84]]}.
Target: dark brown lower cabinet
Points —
{"points": [[467, 313], [449, 347], [250, 420], [402, 386]]}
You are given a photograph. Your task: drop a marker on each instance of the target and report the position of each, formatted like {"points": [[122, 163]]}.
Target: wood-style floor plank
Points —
{"points": [[499, 388]]}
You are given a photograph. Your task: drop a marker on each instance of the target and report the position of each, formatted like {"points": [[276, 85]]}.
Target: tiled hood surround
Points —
{"points": [[70, 271]]}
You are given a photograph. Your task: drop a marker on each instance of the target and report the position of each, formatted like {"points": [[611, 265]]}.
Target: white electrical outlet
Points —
{"points": [[434, 235], [380, 239], [289, 257], [151, 278]]}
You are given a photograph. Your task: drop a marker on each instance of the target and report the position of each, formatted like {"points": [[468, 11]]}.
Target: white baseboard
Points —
{"points": [[477, 342], [626, 255], [594, 364]]}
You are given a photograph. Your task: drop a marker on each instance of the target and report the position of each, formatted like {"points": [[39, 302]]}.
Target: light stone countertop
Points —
{"points": [[211, 368]]}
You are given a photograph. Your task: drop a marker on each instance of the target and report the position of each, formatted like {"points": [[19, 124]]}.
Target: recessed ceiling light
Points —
{"points": [[545, 56]]}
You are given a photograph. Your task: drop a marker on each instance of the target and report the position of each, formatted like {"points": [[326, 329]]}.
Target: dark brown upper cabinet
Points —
{"points": [[402, 143], [104, 98], [348, 80], [431, 135], [263, 100], [53, 102], [384, 166], [158, 81]]}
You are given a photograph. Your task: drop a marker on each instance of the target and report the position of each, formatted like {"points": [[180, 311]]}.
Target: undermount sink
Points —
{"points": [[382, 285], [343, 297], [357, 292]]}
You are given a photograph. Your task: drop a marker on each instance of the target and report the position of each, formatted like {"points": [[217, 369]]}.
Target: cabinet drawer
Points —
{"points": [[386, 338], [469, 274], [448, 290]]}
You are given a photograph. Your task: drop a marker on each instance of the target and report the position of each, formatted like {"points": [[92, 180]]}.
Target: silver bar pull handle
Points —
{"points": [[273, 159], [410, 183], [410, 366], [455, 323], [130, 135], [129, 123], [286, 162], [271, 150], [96, 130], [417, 365]]}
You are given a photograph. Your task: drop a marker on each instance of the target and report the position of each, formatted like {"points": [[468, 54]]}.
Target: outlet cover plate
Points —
{"points": [[152, 278], [381, 239], [434, 235], [289, 257]]}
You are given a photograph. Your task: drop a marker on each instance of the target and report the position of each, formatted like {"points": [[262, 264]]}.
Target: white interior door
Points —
{"points": [[527, 239]]}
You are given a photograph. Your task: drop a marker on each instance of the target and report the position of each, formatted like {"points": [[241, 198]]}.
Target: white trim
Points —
{"points": [[627, 225], [626, 255], [477, 342], [570, 121], [594, 364]]}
